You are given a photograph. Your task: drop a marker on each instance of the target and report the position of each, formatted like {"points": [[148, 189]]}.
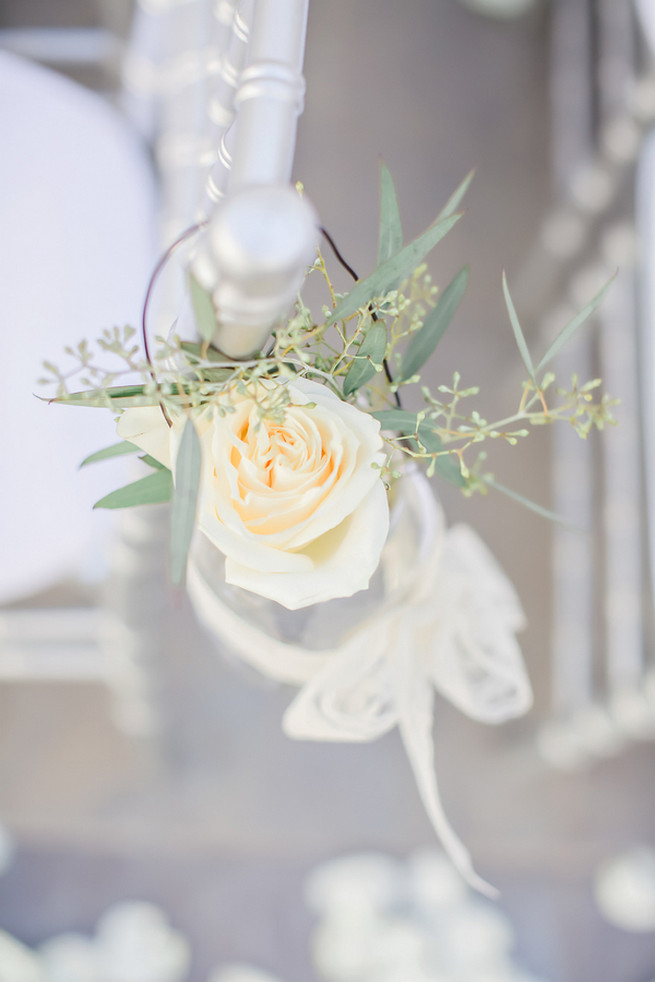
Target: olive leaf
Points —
{"points": [[390, 235], [456, 197], [151, 490], [115, 450], [202, 352], [518, 333], [152, 462], [407, 424], [370, 354], [426, 339], [552, 516], [396, 268], [119, 397], [185, 496], [569, 330]]}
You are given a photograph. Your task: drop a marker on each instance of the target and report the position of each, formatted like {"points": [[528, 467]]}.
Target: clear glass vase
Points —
{"points": [[288, 644]]}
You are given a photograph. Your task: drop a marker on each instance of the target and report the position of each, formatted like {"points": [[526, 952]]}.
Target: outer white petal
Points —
{"points": [[146, 427], [240, 546], [343, 560]]}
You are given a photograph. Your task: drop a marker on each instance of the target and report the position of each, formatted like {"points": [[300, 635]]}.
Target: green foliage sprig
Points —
{"points": [[368, 346]]}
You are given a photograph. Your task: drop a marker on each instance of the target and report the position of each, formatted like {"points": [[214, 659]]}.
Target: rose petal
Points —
{"points": [[297, 507], [146, 427], [343, 560]]}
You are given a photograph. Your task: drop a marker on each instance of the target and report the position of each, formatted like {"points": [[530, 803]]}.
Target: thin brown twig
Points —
{"points": [[146, 303]]}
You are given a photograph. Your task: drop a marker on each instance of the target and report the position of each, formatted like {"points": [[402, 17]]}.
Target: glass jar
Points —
{"points": [[290, 645]]}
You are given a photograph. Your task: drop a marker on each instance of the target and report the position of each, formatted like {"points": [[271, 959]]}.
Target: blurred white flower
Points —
{"points": [[240, 973], [624, 890], [70, 958], [136, 944], [17, 962], [424, 925]]}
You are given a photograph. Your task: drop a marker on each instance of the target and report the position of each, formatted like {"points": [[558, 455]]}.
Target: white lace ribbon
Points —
{"points": [[448, 625]]}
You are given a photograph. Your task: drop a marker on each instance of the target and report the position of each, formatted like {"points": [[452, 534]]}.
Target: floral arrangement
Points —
{"points": [[286, 462]]}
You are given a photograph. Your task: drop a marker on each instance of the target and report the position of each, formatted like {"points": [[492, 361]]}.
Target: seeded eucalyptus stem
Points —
{"points": [[366, 346], [374, 316]]}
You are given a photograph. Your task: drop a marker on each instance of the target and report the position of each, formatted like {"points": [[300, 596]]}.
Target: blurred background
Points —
{"points": [[139, 763]]}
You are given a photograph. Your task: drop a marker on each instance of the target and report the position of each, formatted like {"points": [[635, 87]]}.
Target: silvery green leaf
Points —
{"points": [[567, 332], [446, 465], [390, 237], [428, 439], [151, 462], [425, 340], [531, 505], [121, 391], [456, 197], [396, 268], [121, 397], [151, 490], [203, 309], [407, 424], [518, 332], [116, 450], [371, 353], [197, 350], [397, 420], [185, 496]]}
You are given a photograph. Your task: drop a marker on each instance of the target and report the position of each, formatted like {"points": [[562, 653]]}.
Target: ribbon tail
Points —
{"points": [[415, 724]]}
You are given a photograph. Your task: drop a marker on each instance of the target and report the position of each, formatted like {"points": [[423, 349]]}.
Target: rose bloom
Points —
{"points": [[297, 507]]}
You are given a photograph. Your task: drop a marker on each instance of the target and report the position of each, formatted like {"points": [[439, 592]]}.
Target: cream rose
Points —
{"points": [[297, 507]]}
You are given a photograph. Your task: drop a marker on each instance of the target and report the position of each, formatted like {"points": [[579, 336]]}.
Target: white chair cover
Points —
{"points": [[77, 246]]}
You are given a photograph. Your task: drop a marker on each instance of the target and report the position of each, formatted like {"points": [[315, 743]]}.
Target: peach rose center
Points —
{"points": [[283, 471]]}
